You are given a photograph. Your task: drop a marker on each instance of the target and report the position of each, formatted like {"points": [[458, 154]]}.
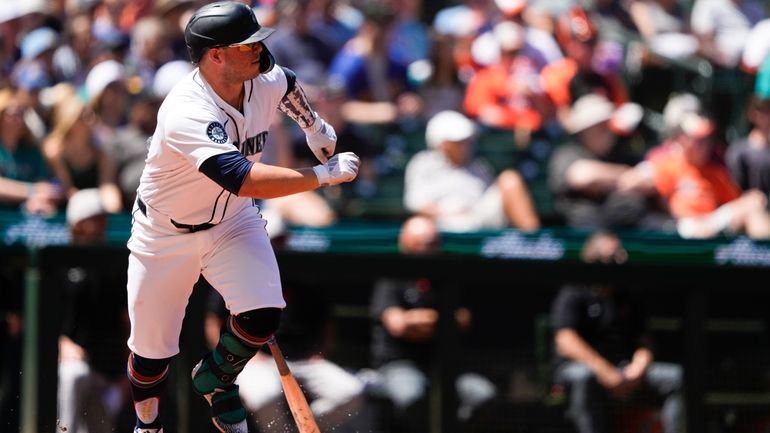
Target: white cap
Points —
{"points": [[677, 106], [696, 126], [38, 41], [102, 75], [485, 50], [511, 7], [168, 75], [509, 35], [84, 204], [448, 125], [589, 110]]}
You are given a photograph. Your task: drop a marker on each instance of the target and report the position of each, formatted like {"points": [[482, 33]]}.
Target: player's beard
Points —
{"points": [[242, 68]]}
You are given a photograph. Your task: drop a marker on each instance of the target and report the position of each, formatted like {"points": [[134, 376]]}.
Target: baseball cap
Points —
{"points": [[677, 107], [511, 7], [84, 204], [696, 126], [31, 75], [509, 35], [38, 41], [102, 75], [589, 110], [448, 125], [12, 10]]}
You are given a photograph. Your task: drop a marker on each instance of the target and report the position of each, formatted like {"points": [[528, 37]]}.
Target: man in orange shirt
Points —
{"points": [[507, 94], [698, 188], [577, 74]]}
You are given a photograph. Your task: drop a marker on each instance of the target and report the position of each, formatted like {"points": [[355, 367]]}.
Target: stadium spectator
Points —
{"points": [[296, 46], [460, 191], [377, 85], [442, 88], [722, 28], [93, 389], [539, 46], [665, 39], [601, 351], [75, 158], [464, 22], [409, 36], [757, 47], [336, 22], [33, 73], [405, 314], [614, 20], [175, 14], [24, 175], [586, 67], [507, 94], [654, 18], [591, 176], [128, 146], [698, 189], [748, 157], [75, 55], [37, 48], [149, 49], [306, 335], [107, 95]]}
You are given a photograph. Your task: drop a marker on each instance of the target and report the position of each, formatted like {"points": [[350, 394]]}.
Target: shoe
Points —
{"points": [[228, 413]]}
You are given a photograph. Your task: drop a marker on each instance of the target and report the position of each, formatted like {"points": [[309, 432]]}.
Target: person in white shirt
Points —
{"points": [[460, 192]]}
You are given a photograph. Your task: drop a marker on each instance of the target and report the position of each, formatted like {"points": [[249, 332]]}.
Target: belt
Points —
{"points": [[192, 228]]}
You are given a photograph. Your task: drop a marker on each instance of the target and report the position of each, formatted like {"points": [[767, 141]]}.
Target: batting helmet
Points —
{"points": [[226, 23]]}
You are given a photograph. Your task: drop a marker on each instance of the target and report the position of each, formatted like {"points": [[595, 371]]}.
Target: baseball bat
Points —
{"points": [[300, 410]]}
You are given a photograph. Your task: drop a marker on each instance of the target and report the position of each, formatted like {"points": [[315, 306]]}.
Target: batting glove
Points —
{"points": [[321, 138], [342, 167]]}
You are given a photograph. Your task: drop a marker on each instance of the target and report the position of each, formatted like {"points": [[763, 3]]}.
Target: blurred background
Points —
{"points": [[540, 180]]}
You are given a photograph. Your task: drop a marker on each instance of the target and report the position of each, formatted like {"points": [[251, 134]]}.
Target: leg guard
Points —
{"points": [[240, 338], [214, 375], [147, 378]]}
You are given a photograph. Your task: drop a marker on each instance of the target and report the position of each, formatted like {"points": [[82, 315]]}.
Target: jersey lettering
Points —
{"points": [[253, 145]]}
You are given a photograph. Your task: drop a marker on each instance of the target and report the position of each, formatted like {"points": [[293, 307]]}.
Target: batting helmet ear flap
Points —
{"points": [[266, 60]]}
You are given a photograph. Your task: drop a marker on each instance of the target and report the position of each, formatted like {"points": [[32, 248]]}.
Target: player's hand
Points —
{"points": [[321, 139], [340, 168]]}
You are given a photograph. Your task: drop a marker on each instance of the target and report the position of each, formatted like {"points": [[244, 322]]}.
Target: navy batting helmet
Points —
{"points": [[226, 23]]}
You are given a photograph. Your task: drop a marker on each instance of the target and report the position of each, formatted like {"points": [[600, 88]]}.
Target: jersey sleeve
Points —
{"points": [[197, 135]]}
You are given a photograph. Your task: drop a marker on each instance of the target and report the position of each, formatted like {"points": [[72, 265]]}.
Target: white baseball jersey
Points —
{"points": [[234, 255], [194, 124]]}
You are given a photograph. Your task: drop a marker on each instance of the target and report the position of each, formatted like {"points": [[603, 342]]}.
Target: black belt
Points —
{"points": [[192, 228]]}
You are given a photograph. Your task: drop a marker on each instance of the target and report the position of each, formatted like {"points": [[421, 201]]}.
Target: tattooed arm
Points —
{"points": [[321, 138]]}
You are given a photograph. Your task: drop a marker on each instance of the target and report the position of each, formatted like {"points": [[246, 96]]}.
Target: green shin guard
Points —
{"points": [[219, 368]]}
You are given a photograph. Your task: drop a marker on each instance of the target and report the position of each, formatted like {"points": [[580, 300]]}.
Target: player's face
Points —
{"points": [[243, 61]]}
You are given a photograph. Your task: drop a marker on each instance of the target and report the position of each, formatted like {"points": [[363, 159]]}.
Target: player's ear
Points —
{"points": [[216, 55]]}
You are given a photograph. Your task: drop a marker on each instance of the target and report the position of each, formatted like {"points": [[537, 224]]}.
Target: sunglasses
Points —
{"points": [[244, 48]]}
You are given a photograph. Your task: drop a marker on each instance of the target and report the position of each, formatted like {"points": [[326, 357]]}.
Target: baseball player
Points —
{"points": [[195, 212]]}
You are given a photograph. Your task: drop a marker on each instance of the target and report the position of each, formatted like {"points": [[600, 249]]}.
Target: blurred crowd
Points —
{"points": [[650, 114], [644, 114]]}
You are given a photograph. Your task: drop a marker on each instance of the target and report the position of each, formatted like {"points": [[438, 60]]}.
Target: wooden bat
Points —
{"points": [[300, 410]]}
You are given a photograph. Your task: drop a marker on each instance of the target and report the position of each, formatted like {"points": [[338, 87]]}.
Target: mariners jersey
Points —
{"points": [[194, 124]]}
